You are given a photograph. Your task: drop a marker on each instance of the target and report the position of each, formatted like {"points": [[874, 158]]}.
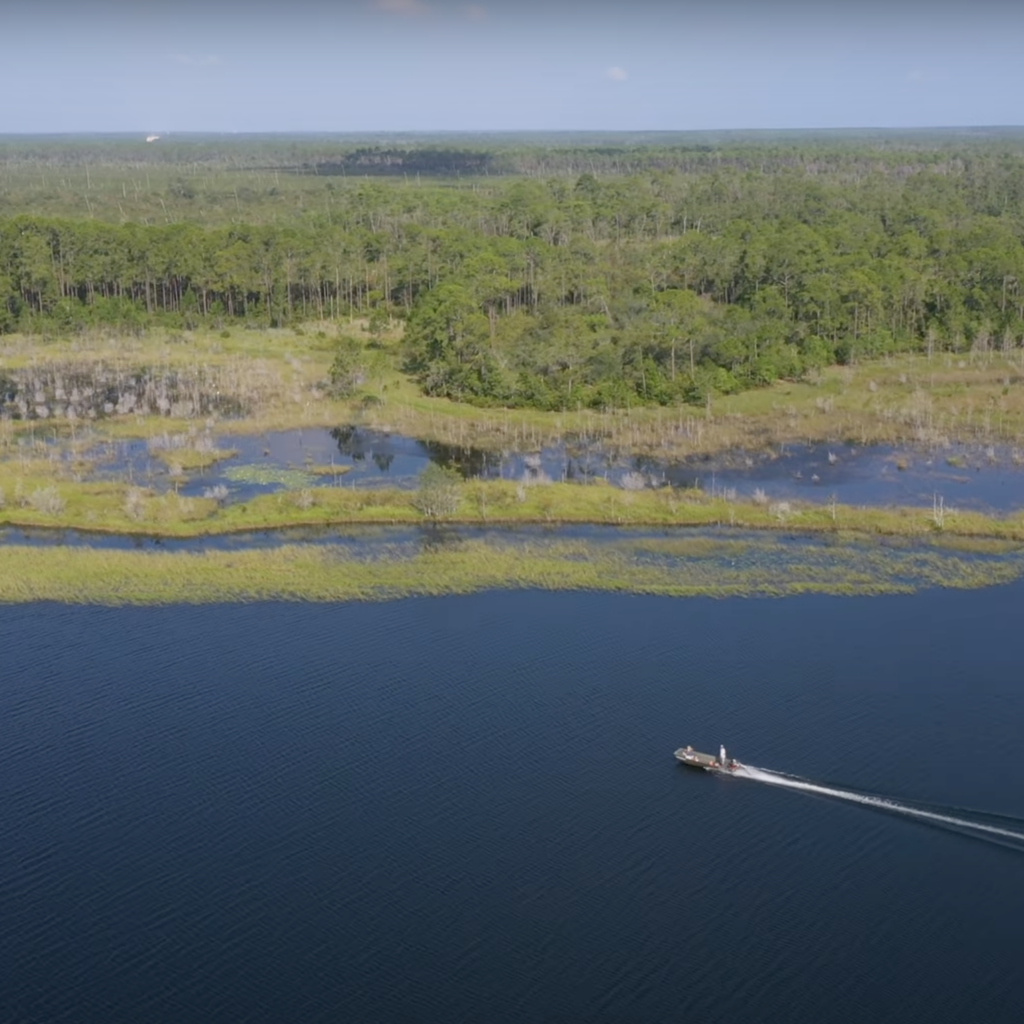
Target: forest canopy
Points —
{"points": [[579, 276]]}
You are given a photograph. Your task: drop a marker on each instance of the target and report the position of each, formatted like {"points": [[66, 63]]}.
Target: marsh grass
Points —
{"points": [[277, 378], [189, 460], [268, 475], [314, 573], [101, 505], [914, 400]]}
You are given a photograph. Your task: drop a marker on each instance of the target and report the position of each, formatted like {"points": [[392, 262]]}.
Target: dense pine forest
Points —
{"points": [[551, 273]]}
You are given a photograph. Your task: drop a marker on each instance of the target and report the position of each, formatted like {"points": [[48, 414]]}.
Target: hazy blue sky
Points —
{"points": [[422, 65]]}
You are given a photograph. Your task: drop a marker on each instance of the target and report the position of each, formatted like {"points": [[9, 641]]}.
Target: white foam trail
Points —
{"points": [[790, 782]]}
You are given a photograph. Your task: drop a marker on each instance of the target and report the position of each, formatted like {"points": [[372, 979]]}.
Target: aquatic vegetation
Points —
{"points": [[101, 505], [185, 459], [385, 570], [265, 476]]}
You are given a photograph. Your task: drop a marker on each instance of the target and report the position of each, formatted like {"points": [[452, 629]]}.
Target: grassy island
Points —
{"points": [[115, 508], [679, 567]]}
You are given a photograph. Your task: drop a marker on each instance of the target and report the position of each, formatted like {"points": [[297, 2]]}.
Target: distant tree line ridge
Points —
{"points": [[595, 291], [524, 153], [380, 161]]}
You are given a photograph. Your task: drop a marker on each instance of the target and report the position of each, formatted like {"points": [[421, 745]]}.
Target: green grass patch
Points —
{"points": [[380, 572], [123, 508], [192, 459]]}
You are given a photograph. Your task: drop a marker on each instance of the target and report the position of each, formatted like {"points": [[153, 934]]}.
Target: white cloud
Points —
{"points": [[616, 74], [196, 60], [401, 6]]}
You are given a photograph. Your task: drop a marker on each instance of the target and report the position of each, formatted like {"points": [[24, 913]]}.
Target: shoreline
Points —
{"points": [[386, 570], [917, 402], [810, 520], [903, 399]]}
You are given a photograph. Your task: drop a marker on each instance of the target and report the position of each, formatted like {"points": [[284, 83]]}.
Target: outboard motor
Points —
{"points": [[721, 755]]}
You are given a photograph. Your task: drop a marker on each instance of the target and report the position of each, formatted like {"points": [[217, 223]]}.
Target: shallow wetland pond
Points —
{"points": [[982, 478]]}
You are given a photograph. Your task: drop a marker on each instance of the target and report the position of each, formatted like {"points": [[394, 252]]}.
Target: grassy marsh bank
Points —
{"points": [[329, 573], [29, 497], [277, 379]]}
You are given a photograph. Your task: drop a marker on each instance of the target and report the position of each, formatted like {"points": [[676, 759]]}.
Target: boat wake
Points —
{"points": [[955, 822]]}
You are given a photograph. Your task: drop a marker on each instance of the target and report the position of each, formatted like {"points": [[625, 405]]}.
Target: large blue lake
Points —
{"points": [[466, 809]]}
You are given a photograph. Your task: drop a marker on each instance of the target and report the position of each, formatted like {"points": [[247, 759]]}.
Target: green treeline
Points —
{"points": [[523, 153], [596, 290]]}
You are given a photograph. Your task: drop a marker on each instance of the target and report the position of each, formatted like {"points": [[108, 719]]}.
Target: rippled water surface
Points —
{"points": [[466, 809]]}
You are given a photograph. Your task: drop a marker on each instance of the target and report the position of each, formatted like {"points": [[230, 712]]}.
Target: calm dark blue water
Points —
{"points": [[466, 809]]}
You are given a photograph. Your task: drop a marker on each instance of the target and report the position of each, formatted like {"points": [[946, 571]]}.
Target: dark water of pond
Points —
{"points": [[466, 809], [967, 477], [975, 477]]}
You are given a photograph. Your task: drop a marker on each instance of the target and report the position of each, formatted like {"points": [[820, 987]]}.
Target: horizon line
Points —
{"points": [[167, 133]]}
